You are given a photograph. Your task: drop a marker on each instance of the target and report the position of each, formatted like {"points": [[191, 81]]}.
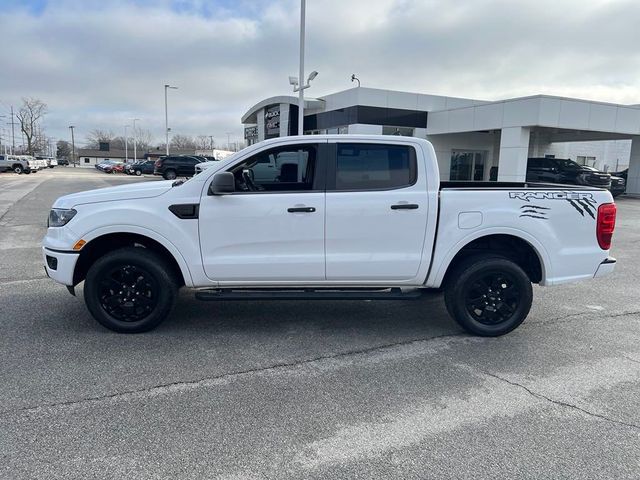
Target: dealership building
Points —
{"points": [[474, 139]]}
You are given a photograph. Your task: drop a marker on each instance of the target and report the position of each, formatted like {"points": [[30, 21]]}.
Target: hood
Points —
{"points": [[110, 194]]}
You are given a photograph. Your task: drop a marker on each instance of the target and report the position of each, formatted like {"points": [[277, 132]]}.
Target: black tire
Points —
{"points": [[151, 284], [488, 295], [18, 169], [169, 175], [138, 173]]}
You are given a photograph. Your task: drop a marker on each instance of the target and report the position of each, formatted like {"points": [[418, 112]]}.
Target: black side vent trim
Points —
{"points": [[185, 211]]}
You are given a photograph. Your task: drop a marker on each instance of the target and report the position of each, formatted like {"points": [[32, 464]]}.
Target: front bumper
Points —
{"points": [[60, 265], [606, 267]]}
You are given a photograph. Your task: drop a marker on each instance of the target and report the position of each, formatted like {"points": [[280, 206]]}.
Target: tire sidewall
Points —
{"points": [[462, 279], [170, 175], [150, 262]]}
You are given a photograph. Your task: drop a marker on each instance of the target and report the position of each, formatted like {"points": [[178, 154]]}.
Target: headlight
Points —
{"points": [[59, 217]]}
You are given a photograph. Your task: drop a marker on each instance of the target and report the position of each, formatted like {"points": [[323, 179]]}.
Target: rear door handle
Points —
{"points": [[301, 209], [405, 206]]}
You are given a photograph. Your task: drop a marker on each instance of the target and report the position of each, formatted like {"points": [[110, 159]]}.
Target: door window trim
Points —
{"points": [[332, 168]]}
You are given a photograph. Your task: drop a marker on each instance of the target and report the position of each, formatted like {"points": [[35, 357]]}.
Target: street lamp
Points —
{"points": [[355, 79], [135, 141], [166, 114], [300, 88], [126, 145]]}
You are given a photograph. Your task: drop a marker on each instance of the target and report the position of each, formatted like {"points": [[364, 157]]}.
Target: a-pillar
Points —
{"points": [[514, 151], [633, 177]]}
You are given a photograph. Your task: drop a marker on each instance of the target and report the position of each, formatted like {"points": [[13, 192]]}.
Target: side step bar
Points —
{"points": [[307, 294]]}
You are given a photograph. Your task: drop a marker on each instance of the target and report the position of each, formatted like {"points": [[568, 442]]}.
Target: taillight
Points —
{"points": [[606, 224], [158, 163]]}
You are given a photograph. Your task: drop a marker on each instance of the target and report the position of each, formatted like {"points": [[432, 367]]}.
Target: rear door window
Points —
{"points": [[361, 166]]}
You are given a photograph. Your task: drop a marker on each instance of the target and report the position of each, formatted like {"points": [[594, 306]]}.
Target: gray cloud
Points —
{"points": [[97, 66]]}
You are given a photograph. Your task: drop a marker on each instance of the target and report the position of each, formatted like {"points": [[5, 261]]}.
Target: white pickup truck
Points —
{"points": [[338, 217]]}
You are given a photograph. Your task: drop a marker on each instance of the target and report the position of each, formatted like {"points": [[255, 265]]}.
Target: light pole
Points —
{"points": [[135, 141], [212, 145], [73, 146], [297, 81], [166, 114], [228, 141], [126, 145]]}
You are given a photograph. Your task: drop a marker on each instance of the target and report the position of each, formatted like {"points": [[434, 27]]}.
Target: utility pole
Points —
{"points": [[73, 146], [212, 144], [135, 141], [13, 133], [228, 141]]}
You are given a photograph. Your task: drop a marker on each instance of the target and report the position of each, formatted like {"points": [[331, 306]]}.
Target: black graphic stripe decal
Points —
{"points": [[575, 205], [587, 208], [534, 216]]}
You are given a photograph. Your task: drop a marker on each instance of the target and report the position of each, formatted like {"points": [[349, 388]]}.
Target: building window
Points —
{"points": [[584, 160], [467, 165], [86, 160], [400, 131]]}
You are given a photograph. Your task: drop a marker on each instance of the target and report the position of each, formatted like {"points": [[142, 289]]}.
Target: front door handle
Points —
{"points": [[405, 206], [301, 209]]}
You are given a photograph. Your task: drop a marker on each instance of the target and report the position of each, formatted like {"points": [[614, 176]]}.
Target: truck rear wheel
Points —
{"points": [[130, 290], [488, 295], [18, 169]]}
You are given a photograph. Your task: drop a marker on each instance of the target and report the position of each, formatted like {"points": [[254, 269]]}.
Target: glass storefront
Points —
{"points": [[467, 165]]}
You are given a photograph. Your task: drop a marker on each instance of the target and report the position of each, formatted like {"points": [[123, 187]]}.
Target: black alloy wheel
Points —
{"points": [[128, 293], [488, 295], [492, 298], [130, 290]]}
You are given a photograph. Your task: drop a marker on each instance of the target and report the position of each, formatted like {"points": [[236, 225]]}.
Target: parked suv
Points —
{"points": [[618, 184], [15, 164], [173, 166], [566, 171]]}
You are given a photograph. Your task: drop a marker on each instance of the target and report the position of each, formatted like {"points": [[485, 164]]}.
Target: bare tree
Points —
{"points": [[29, 115], [204, 142], [97, 136], [183, 141], [144, 140]]}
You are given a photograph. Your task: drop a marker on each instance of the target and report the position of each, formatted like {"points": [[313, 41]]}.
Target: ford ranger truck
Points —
{"points": [[329, 217]]}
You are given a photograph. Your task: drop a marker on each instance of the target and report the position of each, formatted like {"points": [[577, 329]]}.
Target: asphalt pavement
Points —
{"points": [[321, 390]]}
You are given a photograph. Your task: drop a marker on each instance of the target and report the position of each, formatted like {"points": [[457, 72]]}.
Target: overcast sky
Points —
{"points": [[98, 63]]}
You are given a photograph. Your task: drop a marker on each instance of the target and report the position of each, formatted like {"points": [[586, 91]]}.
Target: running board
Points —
{"points": [[307, 294]]}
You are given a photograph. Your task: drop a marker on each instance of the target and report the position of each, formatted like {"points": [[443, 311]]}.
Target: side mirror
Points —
{"points": [[223, 183]]}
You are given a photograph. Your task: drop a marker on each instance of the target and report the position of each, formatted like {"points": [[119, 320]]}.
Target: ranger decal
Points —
{"points": [[582, 202]]}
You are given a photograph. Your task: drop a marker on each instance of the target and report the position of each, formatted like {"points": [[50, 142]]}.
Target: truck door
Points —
{"points": [[272, 228], [377, 207]]}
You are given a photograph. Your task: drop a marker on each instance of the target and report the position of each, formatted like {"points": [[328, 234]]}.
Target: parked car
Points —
{"points": [[173, 166], [565, 171], [50, 161], [145, 167], [348, 217], [35, 164], [15, 164], [106, 166], [63, 161], [618, 184]]}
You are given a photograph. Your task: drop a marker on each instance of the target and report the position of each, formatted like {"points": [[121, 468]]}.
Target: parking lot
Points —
{"points": [[352, 389]]}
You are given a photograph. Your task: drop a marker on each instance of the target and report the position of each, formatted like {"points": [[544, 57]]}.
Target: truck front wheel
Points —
{"points": [[130, 290], [488, 295]]}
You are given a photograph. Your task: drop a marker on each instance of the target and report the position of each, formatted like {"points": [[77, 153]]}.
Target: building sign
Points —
{"points": [[251, 133], [272, 121]]}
